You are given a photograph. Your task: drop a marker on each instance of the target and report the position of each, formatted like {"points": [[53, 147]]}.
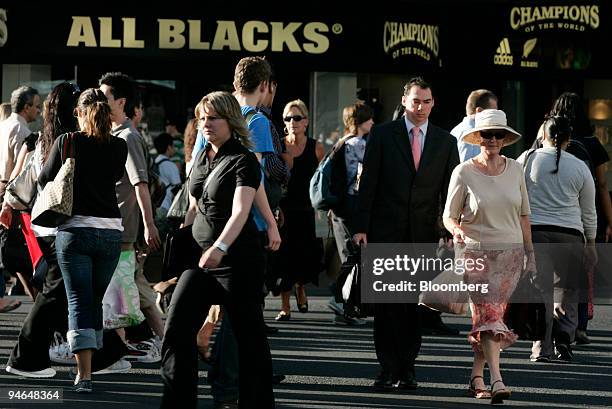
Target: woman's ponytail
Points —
{"points": [[97, 121]]}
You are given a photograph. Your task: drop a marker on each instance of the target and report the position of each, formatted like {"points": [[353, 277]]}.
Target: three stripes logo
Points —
{"points": [[503, 55]]}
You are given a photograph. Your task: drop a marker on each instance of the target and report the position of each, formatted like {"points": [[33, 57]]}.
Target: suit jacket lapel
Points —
{"points": [[403, 142], [429, 148]]}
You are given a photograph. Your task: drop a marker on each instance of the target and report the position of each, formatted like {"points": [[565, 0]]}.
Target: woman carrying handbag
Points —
{"points": [[89, 241]]}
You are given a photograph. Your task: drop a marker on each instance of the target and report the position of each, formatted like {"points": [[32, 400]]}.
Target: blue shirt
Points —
{"points": [[466, 150], [259, 125], [200, 143], [422, 131]]}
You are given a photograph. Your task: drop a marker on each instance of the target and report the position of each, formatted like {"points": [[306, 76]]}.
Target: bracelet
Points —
{"points": [[221, 246]]}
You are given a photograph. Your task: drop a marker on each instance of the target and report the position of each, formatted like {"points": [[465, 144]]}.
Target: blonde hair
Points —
{"points": [[297, 103], [97, 122], [227, 107]]}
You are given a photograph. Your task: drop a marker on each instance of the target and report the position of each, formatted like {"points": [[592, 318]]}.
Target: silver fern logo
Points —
{"points": [[527, 50]]}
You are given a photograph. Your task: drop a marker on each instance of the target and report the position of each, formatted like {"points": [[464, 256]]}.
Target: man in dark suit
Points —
{"points": [[406, 171]]}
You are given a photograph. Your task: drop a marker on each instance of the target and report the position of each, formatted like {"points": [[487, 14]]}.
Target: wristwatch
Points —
{"points": [[221, 246]]}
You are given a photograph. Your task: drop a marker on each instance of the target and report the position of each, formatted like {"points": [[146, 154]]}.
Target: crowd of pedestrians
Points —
{"points": [[232, 196]]}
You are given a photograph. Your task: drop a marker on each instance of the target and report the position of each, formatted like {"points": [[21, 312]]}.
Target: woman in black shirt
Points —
{"points": [[224, 180], [88, 244]]}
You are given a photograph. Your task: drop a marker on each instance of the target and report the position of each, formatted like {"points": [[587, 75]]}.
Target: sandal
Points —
{"points": [[498, 396], [477, 393], [302, 307]]}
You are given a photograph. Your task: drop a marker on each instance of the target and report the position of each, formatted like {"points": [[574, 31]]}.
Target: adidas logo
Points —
{"points": [[503, 55]]}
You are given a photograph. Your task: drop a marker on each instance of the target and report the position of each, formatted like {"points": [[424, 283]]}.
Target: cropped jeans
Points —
{"points": [[87, 257]]}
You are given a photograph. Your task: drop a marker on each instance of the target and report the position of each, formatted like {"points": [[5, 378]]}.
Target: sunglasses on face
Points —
{"points": [[296, 118], [492, 134]]}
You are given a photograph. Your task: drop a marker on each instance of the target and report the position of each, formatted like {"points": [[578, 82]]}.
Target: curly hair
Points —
{"points": [[58, 115]]}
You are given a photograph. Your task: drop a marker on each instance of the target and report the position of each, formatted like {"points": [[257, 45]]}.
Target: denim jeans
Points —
{"points": [[87, 258]]}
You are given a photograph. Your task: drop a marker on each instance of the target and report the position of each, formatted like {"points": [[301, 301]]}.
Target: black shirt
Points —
{"points": [[237, 167], [98, 166]]}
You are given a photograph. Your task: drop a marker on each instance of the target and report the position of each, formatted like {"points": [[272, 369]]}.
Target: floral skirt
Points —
{"points": [[500, 270]]}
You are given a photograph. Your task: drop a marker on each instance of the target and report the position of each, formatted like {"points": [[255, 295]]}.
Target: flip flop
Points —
{"points": [[11, 306]]}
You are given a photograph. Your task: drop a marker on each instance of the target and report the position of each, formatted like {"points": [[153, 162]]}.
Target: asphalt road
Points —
{"points": [[332, 366]]}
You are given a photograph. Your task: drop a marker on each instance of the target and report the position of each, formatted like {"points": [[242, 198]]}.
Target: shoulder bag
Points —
{"points": [[54, 205]]}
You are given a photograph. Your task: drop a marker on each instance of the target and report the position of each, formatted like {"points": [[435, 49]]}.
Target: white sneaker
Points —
{"points": [[59, 351], [145, 351], [43, 373], [121, 366]]}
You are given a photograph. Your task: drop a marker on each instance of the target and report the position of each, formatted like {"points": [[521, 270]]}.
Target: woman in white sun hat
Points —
{"points": [[487, 211]]}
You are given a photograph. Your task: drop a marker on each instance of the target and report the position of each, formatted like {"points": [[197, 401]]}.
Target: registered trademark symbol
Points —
{"points": [[337, 28]]}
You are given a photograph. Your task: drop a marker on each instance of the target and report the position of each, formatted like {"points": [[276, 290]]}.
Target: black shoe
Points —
{"points": [[270, 330], [408, 382], [383, 382], [564, 352], [225, 405], [440, 328], [277, 378], [581, 337]]}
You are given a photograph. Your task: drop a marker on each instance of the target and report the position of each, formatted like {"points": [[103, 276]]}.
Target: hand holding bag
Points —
{"points": [[54, 204], [121, 303], [452, 302], [21, 191]]}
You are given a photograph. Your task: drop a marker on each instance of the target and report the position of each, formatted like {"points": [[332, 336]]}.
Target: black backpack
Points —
{"points": [[157, 187]]}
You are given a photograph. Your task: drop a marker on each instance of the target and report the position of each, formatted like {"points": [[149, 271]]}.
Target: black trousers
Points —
{"points": [[397, 338], [195, 292], [49, 314]]}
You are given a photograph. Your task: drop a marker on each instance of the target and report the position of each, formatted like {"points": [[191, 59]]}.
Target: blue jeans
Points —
{"points": [[87, 258]]}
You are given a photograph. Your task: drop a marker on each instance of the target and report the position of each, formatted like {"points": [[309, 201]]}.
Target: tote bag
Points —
{"points": [[21, 191], [54, 204]]}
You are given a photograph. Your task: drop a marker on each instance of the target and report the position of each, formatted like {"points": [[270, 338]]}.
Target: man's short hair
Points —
{"points": [[419, 82], [481, 98], [121, 86], [21, 97], [250, 72], [161, 142]]}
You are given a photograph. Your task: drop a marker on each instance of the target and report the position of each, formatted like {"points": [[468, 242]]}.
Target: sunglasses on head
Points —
{"points": [[492, 134], [296, 118]]}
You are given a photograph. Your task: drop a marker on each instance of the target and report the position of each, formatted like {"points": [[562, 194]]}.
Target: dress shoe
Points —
{"points": [[225, 405], [270, 330], [581, 337], [383, 382], [408, 382], [277, 378]]}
